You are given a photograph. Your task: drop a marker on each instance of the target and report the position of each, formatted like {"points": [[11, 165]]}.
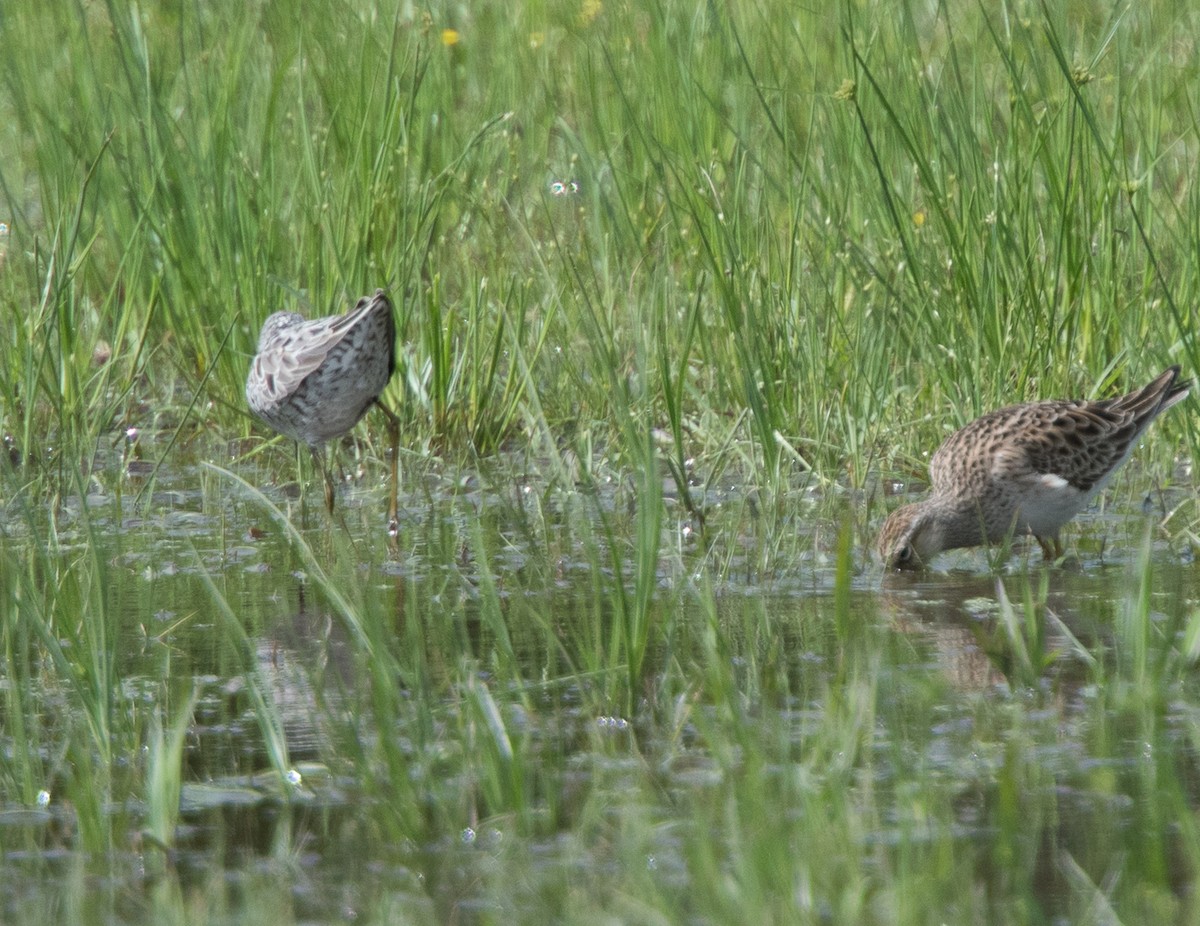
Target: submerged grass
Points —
{"points": [[476, 722], [677, 283]]}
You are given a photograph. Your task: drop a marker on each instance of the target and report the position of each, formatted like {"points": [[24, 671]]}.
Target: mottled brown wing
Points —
{"points": [[1080, 441], [280, 369], [1088, 440], [291, 348]]}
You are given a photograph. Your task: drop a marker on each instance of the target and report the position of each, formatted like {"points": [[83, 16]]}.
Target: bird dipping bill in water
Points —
{"points": [[314, 380], [1024, 469]]}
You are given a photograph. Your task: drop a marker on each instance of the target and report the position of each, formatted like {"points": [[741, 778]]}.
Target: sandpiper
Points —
{"points": [[314, 380], [1024, 469]]}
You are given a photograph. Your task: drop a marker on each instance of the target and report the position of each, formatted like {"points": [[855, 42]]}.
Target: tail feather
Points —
{"points": [[1156, 396]]}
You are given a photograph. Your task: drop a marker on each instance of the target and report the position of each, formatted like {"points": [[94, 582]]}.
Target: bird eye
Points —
{"points": [[904, 554]]}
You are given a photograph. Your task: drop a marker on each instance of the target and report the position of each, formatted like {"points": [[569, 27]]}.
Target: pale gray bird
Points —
{"points": [[314, 380]]}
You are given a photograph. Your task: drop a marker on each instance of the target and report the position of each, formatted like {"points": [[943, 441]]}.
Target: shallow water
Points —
{"points": [[944, 708]]}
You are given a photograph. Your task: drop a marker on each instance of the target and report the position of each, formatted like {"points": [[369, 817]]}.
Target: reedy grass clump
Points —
{"points": [[819, 233]]}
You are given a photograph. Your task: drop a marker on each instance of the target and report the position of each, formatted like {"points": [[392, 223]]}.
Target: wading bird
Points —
{"points": [[314, 380], [1024, 469]]}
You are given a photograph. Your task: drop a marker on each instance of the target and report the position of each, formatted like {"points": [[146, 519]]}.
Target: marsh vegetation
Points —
{"points": [[685, 295]]}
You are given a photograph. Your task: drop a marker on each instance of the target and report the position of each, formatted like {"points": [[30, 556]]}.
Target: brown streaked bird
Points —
{"points": [[314, 380], [1024, 469]]}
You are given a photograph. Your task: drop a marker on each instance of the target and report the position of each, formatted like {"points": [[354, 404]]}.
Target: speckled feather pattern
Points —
{"points": [[314, 380], [1025, 469]]}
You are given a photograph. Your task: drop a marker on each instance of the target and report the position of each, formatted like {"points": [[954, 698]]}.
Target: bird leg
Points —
{"points": [[1052, 548], [318, 454], [393, 523]]}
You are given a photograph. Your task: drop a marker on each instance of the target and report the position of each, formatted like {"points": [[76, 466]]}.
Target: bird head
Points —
{"points": [[910, 537]]}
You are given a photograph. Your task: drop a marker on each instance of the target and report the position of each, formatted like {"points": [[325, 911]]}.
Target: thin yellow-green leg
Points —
{"points": [[393, 522], [318, 455], [1052, 548]]}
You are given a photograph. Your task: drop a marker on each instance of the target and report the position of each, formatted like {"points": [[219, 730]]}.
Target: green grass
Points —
{"points": [[680, 287], [995, 205]]}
